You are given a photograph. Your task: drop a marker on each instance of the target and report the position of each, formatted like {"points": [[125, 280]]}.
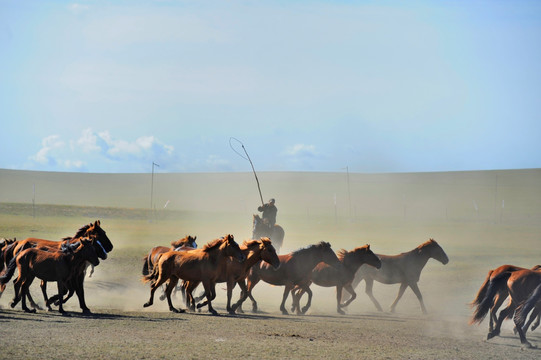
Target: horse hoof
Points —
{"points": [[146, 304], [31, 311], [87, 312], [490, 335], [341, 312]]}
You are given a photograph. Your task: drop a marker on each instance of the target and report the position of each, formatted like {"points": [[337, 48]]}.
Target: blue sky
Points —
{"points": [[377, 86]]}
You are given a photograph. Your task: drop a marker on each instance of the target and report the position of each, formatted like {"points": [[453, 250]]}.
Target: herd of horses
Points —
{"points": [[223, 260]]}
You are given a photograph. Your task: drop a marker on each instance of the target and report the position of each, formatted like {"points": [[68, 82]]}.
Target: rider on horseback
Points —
{"points": [[269, 213]]}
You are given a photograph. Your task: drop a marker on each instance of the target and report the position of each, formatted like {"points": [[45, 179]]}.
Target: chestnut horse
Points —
{"points": [[49, 266], [341, 278], [187, 243], [204, 265], [404, 269], [261, 229], [524, 288], [236, 273], [500, 296], [295, 269]]}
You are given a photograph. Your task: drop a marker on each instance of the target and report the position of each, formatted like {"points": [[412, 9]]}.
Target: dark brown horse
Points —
{"points": [[186, 243], [524, 288], [295, 270], [500, 296], [48, 266], [261, 229], [328, 276], [236, 272], [404, 269], [204, 265], [92, 231]]}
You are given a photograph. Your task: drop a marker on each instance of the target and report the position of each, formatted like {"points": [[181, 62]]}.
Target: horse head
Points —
{"points": [[87, 251], [435, 251], [188, 241], [231, 248], [96, 232], [327, 255], [366, 255], [268, 252]]}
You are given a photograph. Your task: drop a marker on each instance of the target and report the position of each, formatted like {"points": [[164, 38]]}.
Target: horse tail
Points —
{"points": [[146, 267], [494, 286], [527, 306], [151, 276], [8, 274], [482, 291]]}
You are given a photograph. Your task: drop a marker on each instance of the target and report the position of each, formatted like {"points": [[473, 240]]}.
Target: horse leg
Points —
{"points": [[243, 296], [309, 302], [78, 283], [251, 284], [521, 334], [153, 288], [417, 292], [230, 286], [60, 286], [498, 301], [296, 295], [24, 292], [533, 316], [368, 290], [210, 290], [287, 289], [503, 315], [403, 288], [168, 290], [349, 288]]}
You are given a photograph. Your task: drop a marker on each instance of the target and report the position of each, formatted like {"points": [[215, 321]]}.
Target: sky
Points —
{"points": [[371, 86]]}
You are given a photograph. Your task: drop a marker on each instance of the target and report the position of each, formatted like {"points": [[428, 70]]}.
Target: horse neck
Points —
{"points": [[421, 255], [309, 259], [352, 265], [252, 257]]}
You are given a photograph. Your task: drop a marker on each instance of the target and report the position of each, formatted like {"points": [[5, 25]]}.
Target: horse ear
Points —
{"points": [[97, 223], [368, 246]]}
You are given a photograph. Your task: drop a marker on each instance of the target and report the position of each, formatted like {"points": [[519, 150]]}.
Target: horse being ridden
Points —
{"points": [[524, 288], [236, 272], [404, 269], [274, 232], [48, 266], [342, 277], [295, 269], [204, 265]]}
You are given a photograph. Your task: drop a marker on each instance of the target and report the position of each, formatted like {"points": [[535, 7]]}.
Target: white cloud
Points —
{"points": [[48, 145], [301, 150], [92, 150]]}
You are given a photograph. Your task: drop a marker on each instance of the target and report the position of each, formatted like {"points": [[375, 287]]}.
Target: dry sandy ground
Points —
{"points": [[150, 335]]}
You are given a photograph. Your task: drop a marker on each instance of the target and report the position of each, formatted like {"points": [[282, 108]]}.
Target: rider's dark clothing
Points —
{"points": [[269, 213]]}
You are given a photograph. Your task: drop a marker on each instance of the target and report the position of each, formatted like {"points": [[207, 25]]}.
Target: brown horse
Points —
{"points": [[261, 229], [404, 269], [295, 269], [500, 296], [341, 278], [524, 288], [100, 242], [236, 273], [49, 266], [204, 265], [186, 243]]}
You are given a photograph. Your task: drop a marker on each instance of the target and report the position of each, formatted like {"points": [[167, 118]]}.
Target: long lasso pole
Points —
{"points": [[250, 160]]}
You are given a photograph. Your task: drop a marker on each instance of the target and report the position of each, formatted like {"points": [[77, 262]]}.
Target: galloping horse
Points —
{"points": [[328, 276], [524, 288], [404, 269], [92, 231], [261, 229], [186, 243], [49, 266], [235, 272], [204, 265], [295, 269], [500, 296]]}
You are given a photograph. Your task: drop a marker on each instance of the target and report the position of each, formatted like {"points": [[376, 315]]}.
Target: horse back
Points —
{"points": [[522, 283], [45, 265]]}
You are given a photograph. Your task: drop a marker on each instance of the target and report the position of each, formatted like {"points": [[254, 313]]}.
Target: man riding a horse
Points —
{"points": [[269, 211]]}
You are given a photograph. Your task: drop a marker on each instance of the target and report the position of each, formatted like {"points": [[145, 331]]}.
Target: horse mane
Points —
{"points": [[213, 244], [426, 243], [79, 233], [343, 254], [250, 243], [321, 244]]}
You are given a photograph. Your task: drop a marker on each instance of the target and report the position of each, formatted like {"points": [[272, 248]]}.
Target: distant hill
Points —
{"points": [[507, 195]]}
